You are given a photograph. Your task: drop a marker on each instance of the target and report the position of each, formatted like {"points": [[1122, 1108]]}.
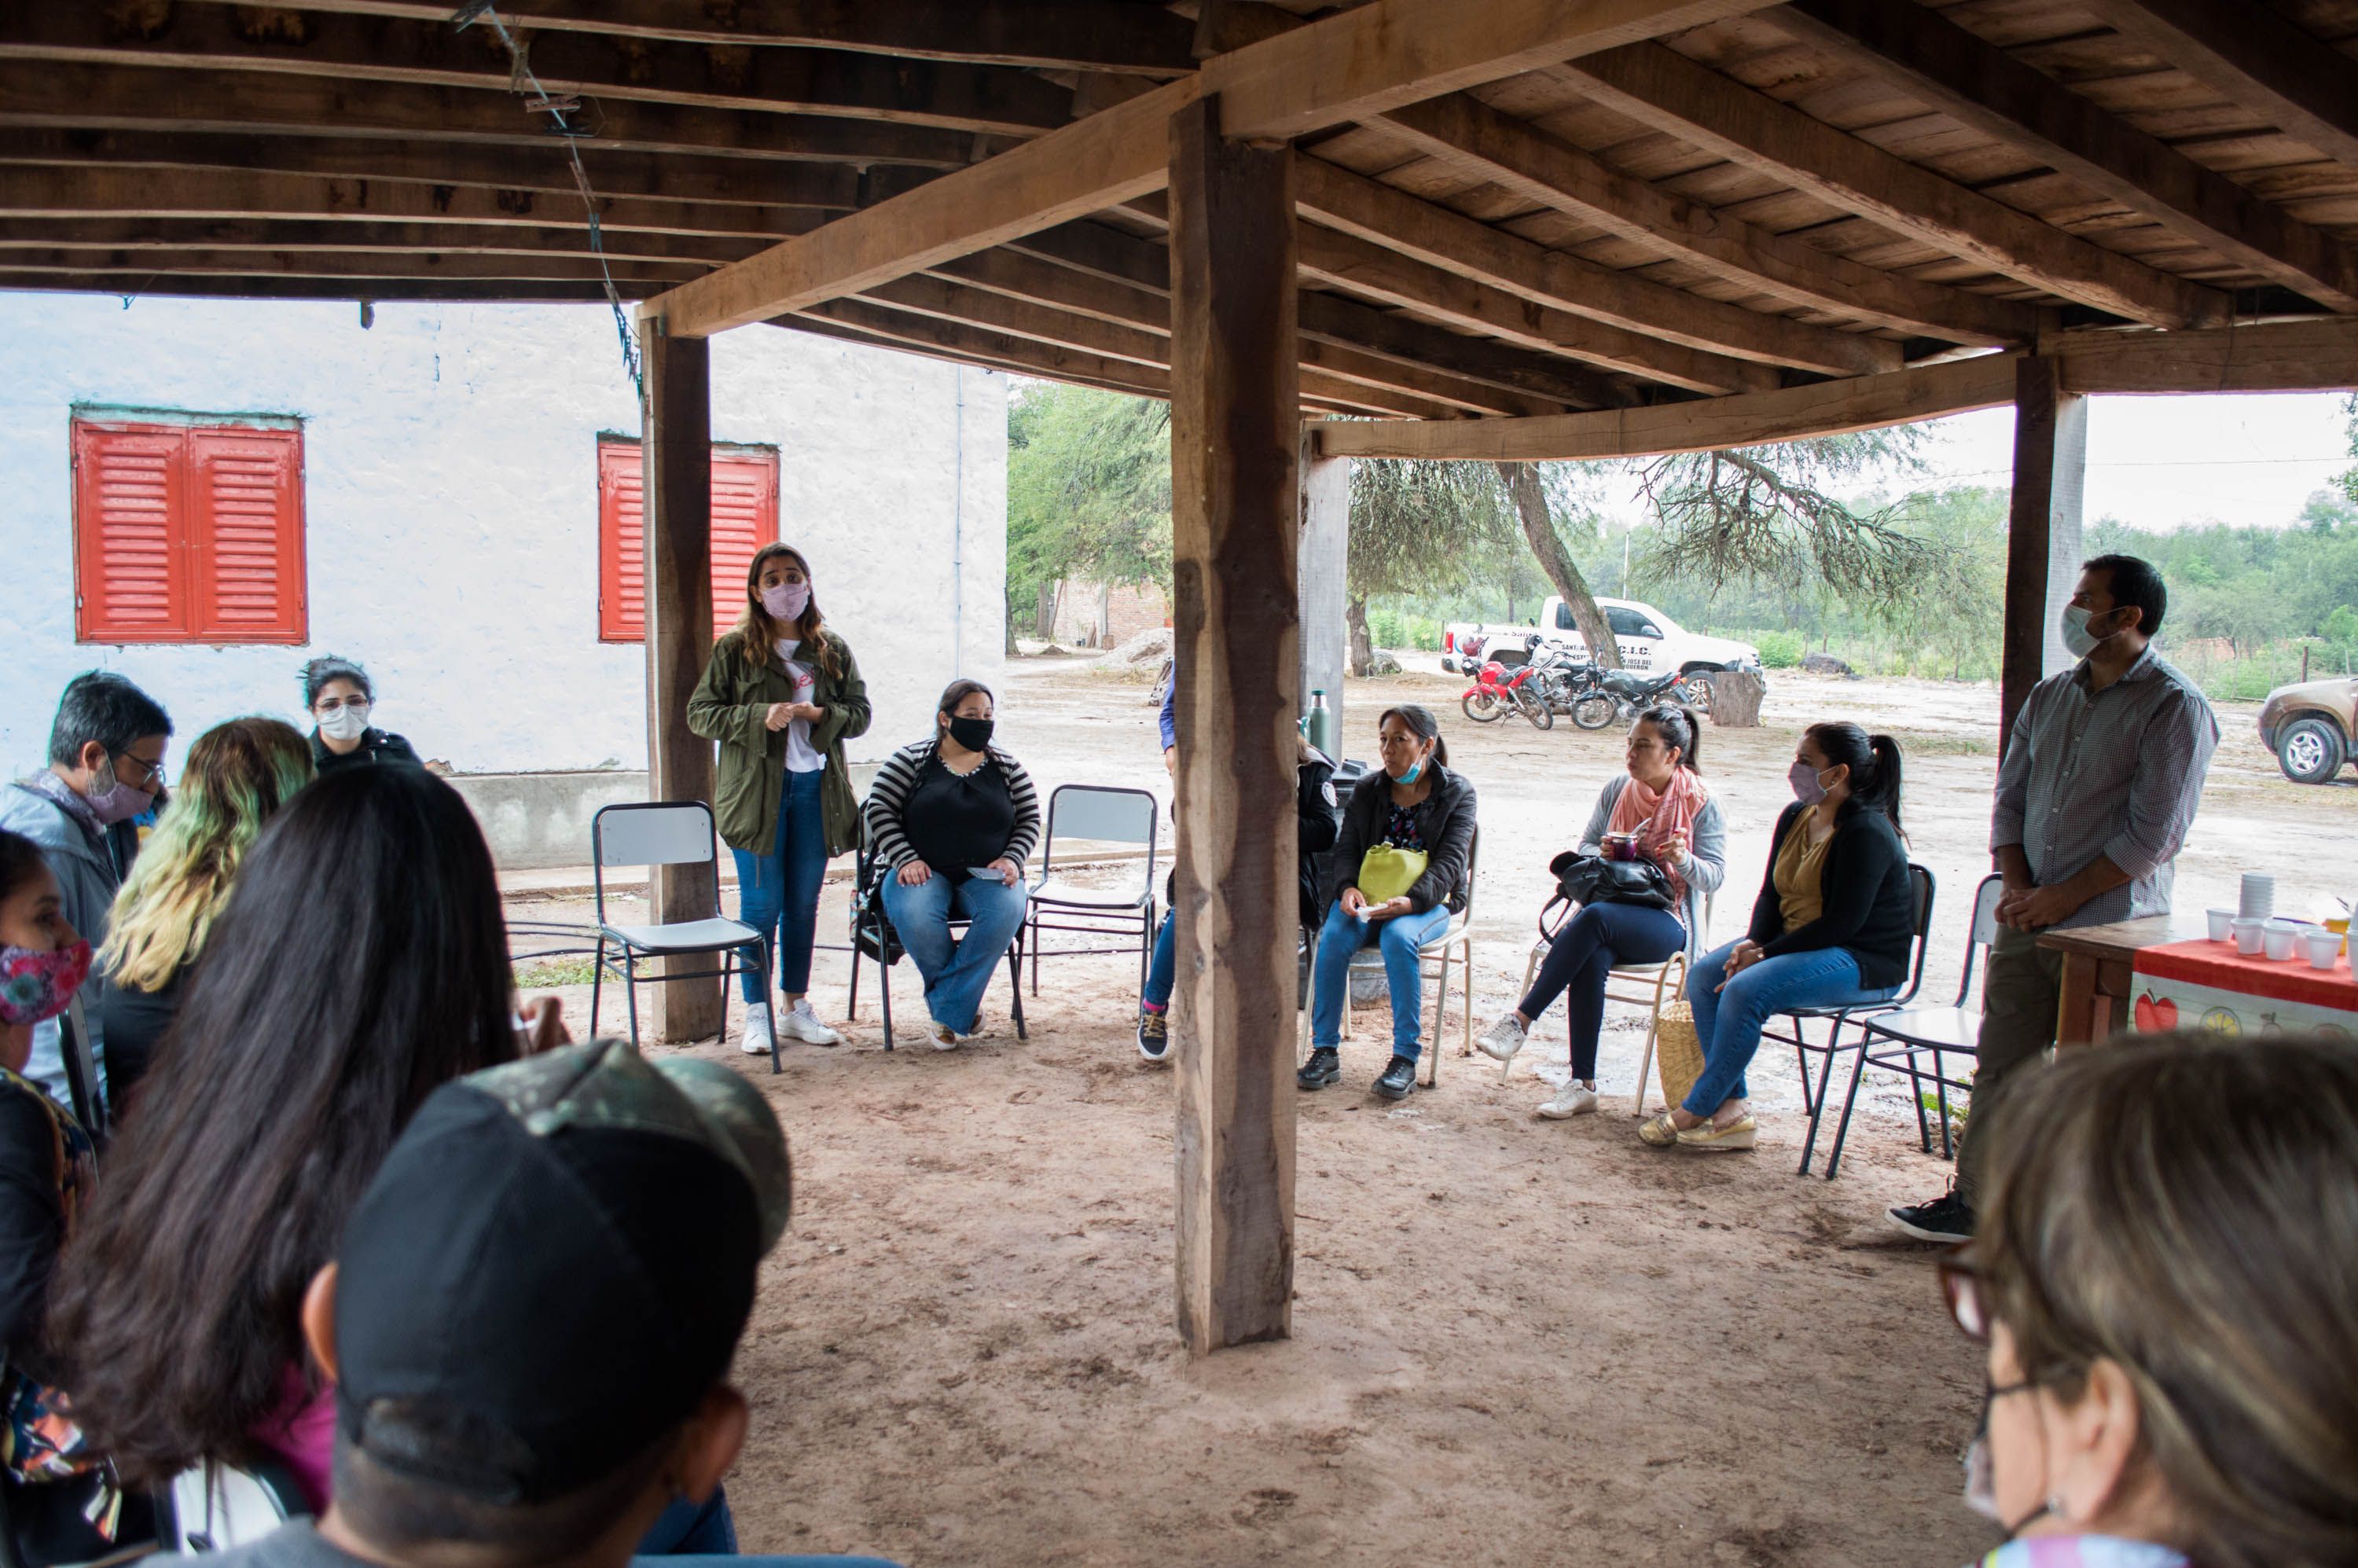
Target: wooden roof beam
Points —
{"points": [[649, 176], [1394, 219], [975, 98], [1110, 254], [1662, 88], [1708, 424], [65, 191], [1345, 261], [2289, 356], [1468, 134], [512, 291], [171, 235], [2250, 55], [1053, 35], [1020, 316], [853, 321], [42, 95], [1348, 65], [108, 269], [1021, 276], [1980, 85]]}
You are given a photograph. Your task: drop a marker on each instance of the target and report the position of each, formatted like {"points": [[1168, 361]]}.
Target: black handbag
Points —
{"points": [[1592, 879]]}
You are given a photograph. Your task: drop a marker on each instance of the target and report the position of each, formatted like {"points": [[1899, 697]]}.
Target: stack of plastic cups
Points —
{"points": [[2259, 896]]}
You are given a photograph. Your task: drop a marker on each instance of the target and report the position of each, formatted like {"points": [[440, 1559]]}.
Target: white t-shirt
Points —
{"points": [[800, 756]]}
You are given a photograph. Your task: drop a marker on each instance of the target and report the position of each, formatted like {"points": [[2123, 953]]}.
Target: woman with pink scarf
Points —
{"points": [[1663, 809]]}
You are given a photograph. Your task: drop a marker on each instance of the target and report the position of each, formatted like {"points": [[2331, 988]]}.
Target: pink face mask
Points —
{"points": [[787, 600], [36, 986]]}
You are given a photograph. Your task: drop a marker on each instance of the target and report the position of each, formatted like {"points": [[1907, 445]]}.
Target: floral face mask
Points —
{"points": [[34, 985]]}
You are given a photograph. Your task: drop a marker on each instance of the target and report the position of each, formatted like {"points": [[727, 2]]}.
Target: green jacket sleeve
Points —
{"points": [[848, 709], [710, 711]]}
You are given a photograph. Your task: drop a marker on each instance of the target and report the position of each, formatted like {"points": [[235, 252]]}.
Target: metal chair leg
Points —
{"points": [[1466, 973], [1817, 1102], [631, 990], [851, 1002], [1841, 1128], [1015, 975], [1440, 1011], [1940, 1077], [596, 976], [1916, 1094]]}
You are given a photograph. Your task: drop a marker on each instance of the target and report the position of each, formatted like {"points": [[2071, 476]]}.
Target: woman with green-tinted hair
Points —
{"points": [[237, 776]]}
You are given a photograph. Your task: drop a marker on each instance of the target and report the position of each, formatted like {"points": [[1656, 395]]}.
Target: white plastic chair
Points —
{"points": [[1103, 815], [664, 833], [1457, 933], [1640, 985]]}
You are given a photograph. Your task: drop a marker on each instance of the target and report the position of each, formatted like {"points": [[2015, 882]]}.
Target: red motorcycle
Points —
{"points": [[1496, 693]]}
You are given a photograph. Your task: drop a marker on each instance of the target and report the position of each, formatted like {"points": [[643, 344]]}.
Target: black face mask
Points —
{"points": [[974, 734]]}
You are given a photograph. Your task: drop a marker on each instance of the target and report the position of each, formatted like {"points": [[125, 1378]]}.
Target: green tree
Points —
{"points": [[1415, 527], [1768, 514], [2348, 478], [1089, 493]]}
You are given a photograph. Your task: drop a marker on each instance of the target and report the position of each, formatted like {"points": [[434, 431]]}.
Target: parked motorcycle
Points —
{"points": [[1496, 693], [1622, 694]]}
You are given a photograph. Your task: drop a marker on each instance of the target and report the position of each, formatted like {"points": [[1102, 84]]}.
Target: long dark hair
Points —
{"points": [[1873, 762], [360, 962], [20, 861], [1676, 725], [755, 623], [1421, 724]]}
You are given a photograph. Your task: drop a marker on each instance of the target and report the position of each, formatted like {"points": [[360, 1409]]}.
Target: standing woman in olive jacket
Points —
{"points": [[1415, 805], [1832, 927], [781, 694]]}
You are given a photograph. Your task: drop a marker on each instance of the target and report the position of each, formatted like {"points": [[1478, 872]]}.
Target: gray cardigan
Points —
{"points": [[1707, 865]]}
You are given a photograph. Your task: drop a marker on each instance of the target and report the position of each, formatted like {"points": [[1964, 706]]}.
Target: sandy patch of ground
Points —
{"points": [[1514, 1341]]}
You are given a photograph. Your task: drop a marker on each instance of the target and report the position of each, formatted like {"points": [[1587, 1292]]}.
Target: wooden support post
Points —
{"points": [[677, 452], [1324, 563], [1234, 453], [2042, 550]]}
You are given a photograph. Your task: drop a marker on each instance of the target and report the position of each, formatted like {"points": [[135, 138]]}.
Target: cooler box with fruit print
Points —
{"points": [[2210, 985]]}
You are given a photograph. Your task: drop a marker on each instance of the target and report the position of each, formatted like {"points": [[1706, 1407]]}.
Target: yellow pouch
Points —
{"points": [[1388, 872]]}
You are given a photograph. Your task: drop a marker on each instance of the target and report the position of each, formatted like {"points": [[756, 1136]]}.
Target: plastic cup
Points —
{"points": [[2220, 920], [2322, 947], [2246, 933], [2259, 895], [2277, 937]]}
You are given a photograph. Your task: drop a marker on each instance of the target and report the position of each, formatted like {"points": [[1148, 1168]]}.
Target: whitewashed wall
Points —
{"points": [[451, 501]]}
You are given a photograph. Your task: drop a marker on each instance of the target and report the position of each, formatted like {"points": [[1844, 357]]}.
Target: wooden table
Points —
{"points": [[2099, 969]]}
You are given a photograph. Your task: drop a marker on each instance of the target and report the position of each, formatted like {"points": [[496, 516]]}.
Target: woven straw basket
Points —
{"points": [[1678, 1051]]}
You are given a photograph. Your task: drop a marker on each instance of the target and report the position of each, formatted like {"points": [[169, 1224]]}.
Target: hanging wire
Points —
{"points": [[571, 122]]}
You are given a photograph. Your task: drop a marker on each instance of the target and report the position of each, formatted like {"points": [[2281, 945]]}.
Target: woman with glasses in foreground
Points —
{"points": [[2164, 1280]]}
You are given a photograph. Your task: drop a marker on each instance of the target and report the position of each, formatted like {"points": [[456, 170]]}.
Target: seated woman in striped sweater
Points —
{"points": [[954, 817]]}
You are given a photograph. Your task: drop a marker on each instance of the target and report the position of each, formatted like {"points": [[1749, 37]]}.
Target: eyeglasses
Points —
{"points": [[150, 774], [1961, 1286], [359, 704]]}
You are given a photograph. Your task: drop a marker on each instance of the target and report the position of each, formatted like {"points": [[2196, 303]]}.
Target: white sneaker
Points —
{"points": [[756, 1041], [801, 1023], [1575, 1099], [943, 1037], [1503, 1039]]}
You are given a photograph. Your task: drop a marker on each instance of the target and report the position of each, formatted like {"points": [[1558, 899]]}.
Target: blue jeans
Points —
{"points": [[957, 971], [1729, 1022], [1400, 939], [1162, 970], [777, 893], [1580, 957], [693, 1528]]}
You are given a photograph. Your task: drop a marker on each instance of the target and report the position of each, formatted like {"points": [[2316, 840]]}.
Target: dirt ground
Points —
{"points": [[1514, 1341]]}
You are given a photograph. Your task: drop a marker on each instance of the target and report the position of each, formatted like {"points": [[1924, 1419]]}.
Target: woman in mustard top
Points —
{"points": [[1831, 927]]}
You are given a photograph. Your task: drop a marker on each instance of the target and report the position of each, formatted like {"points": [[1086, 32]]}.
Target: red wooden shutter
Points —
{"points": [[129, 585], [188, 534], [246, 535], [621, 544], [744, 518]]}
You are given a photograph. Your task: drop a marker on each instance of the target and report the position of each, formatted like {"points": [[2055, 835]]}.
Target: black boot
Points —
{"points": [[1324, 1066], [1399, 1081]]}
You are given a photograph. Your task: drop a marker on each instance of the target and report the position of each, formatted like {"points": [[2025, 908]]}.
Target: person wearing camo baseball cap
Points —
{"points": [[531, 1315]]}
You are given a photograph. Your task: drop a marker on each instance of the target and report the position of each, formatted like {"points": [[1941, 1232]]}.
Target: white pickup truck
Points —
{"points": [[1649, 640]]}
